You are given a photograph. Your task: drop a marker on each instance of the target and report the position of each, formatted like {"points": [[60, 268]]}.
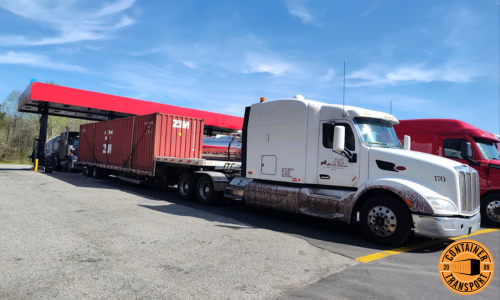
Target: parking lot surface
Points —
{"points": [[68, 236]]}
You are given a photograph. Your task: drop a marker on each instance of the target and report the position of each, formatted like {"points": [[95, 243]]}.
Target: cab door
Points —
{"points": [[335, 169], [450, 147]]}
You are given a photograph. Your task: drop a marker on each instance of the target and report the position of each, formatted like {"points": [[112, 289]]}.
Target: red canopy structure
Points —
{"points": [[55, 100], [75, 103]]}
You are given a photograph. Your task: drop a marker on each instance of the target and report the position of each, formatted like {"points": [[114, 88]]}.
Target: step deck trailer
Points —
{"points": [[322, 160]]}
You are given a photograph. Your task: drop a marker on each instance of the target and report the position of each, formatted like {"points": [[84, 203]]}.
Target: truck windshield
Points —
{"points": [[488, 149], [377, 133]]}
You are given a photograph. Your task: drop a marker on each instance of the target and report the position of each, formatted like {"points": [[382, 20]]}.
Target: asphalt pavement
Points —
{"points": [[67, 236]]}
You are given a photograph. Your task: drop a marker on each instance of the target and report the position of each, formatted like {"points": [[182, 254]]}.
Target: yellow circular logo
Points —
{"points": [[466, 267]]}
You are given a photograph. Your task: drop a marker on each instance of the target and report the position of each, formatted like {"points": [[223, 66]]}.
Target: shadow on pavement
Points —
{"points": [[326, 234]]}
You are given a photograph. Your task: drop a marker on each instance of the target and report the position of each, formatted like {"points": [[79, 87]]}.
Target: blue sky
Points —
{"points": [[432, 59]]}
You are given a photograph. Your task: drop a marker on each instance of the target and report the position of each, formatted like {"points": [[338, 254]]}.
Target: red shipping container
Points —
{"points": [[86, 143], [133, 142]]}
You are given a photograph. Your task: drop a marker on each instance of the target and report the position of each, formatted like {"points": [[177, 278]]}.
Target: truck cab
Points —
{"points": [[466, 144], [346, 164], [61, 152]]}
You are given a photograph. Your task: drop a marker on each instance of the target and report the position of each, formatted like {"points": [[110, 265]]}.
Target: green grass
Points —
{"points": [[14, 163]]}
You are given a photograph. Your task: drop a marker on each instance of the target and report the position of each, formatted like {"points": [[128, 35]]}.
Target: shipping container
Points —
{"points": [[133, 143], [86, 146]]}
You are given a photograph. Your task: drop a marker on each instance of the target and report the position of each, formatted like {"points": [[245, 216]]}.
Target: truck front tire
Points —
{"points": [[385, 220], [490, 210], [205, 191], [186, 186]]}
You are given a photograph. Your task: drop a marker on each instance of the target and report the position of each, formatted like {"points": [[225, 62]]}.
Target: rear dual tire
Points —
{"points": [[186, 187], [205, 191], [189, 188]]}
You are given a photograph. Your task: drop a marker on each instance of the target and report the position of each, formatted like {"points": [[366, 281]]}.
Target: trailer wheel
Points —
{"points": [[186, 186], [87, 171], [490, 210], [385, 220], [205, 191], [96, 172]]}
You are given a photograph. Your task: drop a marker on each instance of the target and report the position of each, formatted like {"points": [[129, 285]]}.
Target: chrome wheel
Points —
{"points": [[204, 190], [184, 187], [493, 210], [382, 221]]}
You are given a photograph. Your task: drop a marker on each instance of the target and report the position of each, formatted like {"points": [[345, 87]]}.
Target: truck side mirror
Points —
{"points": [[406, 142], [466, 150], [339, 139]]}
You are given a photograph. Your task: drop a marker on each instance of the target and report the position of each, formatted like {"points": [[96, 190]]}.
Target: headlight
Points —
{"points": [[442, 206]]}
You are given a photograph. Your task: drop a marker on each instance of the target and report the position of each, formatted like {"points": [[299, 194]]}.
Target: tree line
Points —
{"points": [[18, 130]]}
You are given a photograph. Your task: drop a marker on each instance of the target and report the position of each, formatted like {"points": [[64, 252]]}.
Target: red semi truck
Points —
{"points": [[466, 144]]}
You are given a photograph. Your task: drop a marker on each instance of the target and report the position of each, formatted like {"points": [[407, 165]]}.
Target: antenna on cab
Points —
{"points": [[343, 95]]}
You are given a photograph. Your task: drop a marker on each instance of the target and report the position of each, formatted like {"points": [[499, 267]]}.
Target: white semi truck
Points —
{"points": [[334, 162]]}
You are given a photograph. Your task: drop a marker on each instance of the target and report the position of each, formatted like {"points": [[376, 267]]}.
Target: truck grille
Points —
{"points": [[469, 191]]}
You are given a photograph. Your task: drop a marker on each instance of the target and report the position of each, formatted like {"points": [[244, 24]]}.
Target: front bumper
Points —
{"points": [[444, 227]]}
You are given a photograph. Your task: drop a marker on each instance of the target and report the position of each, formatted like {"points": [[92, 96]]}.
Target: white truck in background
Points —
{"points": [[327, 161]]}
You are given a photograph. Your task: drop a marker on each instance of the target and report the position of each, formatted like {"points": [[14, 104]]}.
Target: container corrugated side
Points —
{"points": [[134, 142], [179, 137], [86, 143], [144, 141], [113, 141]]}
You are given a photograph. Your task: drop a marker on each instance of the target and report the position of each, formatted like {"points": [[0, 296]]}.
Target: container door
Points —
{"points": [[333, 168], [268, 165]]}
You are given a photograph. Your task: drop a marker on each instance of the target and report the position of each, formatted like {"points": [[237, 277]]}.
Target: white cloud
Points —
{"points": [[37, 61], [378, 75], [243, 55], [95, 48], [68, 50], [388, 48], [370, 10], [112, 8], [154, 83], [258, 63], [189, 64], [428, 52], [145, 52], [298, 10], [72, 22], [329, 75]]}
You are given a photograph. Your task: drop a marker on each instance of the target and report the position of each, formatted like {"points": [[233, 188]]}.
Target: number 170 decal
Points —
{"points": [[440, 178]]}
